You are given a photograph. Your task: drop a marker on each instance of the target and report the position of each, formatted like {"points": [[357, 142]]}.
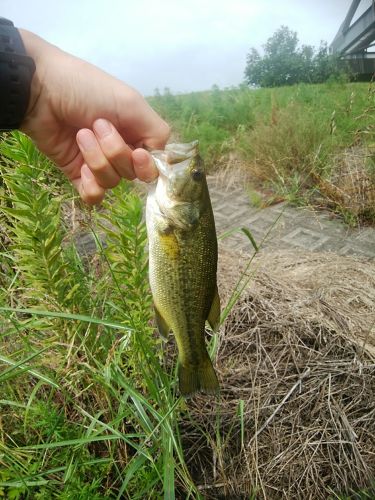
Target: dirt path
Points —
{"points": [[283, 227]]}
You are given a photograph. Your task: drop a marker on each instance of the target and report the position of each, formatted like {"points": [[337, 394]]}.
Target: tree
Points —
{"points": [[327, 65], [284, 63]]}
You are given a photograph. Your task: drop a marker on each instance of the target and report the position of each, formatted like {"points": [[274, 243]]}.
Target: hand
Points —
{"points": [[90, 124]]}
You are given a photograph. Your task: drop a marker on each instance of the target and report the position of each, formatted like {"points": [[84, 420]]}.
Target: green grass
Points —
{"points": [[288, 139], [88, 405], [88, 401]]}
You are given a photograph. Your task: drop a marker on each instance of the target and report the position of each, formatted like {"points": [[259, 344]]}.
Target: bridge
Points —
{"points": [[355, 41]]}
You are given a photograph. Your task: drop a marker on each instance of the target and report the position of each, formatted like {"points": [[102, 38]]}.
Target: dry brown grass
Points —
{"points": [[351, 188], [297, 363]]}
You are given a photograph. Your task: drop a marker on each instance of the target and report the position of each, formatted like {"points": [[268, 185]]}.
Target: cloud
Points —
{"points": [[181, 45]]}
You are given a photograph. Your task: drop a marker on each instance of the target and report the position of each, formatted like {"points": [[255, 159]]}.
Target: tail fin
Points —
{"points": [[193, 378]]}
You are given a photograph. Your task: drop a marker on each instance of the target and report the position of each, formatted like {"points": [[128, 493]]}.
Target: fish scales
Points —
{"points": [[183, 262]]}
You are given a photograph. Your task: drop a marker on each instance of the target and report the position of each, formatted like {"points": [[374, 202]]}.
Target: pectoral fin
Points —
{"points": [[162, 325], [214, 314]]}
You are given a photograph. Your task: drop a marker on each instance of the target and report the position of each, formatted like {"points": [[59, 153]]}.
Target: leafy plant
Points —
{"points": [[88, 404]]}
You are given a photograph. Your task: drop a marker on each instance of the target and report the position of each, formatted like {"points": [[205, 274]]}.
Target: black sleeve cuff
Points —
{"points": [[16, 72]]}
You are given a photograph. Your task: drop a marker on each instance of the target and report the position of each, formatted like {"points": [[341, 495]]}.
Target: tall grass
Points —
{"points": [[287, 139], [88, 405], [88, 400]]}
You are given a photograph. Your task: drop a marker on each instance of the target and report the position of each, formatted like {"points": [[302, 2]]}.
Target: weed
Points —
{"points": [[288, 139], [255, 198], [88, 408]]}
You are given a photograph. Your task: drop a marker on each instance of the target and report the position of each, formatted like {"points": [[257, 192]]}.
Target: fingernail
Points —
{"points": [[102, 128], [140, 158], [86, 140], [145, 166]]}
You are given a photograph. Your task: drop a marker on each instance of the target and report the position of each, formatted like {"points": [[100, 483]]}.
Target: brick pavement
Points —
{"points": [[283, 227]]}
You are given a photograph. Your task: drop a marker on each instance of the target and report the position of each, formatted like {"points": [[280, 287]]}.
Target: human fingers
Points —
{"points": [[95, 159], [115, 149], [144, 165], [88, 188]]}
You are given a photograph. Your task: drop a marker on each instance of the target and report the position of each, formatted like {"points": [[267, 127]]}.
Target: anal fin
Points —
{"points": [[214, 314], [162, 325]]}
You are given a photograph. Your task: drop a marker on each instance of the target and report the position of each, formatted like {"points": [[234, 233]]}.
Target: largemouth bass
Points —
{"points": [[183, 261]]}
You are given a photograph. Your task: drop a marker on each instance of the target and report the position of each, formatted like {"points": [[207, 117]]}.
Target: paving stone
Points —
{"points": [[283, 226], [279, 226], [354, 249], [305, 238]]}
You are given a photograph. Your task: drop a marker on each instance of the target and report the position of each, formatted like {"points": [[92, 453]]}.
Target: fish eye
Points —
{"points": [[197, 175]]}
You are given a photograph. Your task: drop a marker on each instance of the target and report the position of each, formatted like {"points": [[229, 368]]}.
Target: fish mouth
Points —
{"points": [[180, 152], [174, 154]]}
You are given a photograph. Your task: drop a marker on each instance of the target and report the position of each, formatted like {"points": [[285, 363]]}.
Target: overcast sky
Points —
{"points": [[184, 45]]}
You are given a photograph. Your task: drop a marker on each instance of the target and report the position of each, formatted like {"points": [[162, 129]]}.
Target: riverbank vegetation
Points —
{"points": [[308, 144]]}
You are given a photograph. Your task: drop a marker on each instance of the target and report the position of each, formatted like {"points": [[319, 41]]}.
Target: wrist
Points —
{"points": [[16, 73], [34, 48]]}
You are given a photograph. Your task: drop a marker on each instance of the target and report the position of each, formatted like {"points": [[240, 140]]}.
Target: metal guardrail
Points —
{"points": [[353, 41]]}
